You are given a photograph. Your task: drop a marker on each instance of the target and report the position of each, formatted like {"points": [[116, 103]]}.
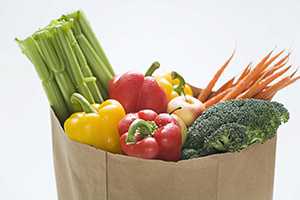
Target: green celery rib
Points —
{"points": [[77, 32], [86, 70], [59, 48], [97, 66], [69, 58], [104, 91], [52, 60], [62, 56], [55, 98], [91, 37], [63, 33], [60, 52]]}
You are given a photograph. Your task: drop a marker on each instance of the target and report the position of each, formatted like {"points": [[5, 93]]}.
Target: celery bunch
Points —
{"points": [[68, 58]]}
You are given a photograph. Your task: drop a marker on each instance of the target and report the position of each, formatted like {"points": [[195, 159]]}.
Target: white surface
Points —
{"points": [[193, 37]]}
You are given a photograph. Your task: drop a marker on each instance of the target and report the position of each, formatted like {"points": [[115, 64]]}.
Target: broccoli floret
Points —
{"points": [[233, 125], [229, 137], [189, 153]]}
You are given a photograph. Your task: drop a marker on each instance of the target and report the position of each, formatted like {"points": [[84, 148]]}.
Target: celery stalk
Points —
{"points": [[52, 60], [60, 52], [68, 58], [86, 70], [62, 56], [55, 98], [97, 66], [104, 91], [63, 33], [88, 32]]}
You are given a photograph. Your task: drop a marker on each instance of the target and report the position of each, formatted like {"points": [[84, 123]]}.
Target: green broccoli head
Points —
{"points": [[189, 154], [229, 137], [233, 125], [281, 111]]}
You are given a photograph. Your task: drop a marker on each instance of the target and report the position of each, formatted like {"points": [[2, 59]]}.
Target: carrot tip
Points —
{"points": [[293, 74]]}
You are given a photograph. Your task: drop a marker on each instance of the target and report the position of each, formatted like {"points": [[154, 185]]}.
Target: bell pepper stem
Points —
{"points": [[180, 88], [138, 124], [83, 102], [152, 68]]}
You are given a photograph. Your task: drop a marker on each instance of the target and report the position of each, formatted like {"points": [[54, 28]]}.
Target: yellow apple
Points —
{"points": [[191, 108]]}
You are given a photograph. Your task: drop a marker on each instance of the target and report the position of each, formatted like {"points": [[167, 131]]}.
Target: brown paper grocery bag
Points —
{"points": [[85, 173]]}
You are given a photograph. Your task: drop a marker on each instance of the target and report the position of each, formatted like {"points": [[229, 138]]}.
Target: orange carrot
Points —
{"points": [[243, 84], [207, 91], [282, 62], [293, 74], [285, 58], [244, 73], [272, 77], [291, 81], [260, 85], [271, 60], [265, 67], [272, 69], [273, 88], [269, 93], [216, 98], [269, 96], [225, 86]]}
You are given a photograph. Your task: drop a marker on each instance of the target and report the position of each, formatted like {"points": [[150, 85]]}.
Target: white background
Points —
{"points": [[192, 37]]}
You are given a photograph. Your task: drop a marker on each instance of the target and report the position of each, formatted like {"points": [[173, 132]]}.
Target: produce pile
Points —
{"points": [[153, 116]]}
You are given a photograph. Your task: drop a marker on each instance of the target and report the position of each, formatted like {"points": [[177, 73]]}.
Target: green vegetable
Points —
{"points": [[51, 58], [83, 25], [68, 59], [91, 49], [232, 126], [63, 34], [46, 76]]}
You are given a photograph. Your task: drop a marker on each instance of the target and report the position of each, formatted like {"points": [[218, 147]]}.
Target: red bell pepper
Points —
{"points": [[148, 135], [147, 115], [142, 146], [136, 91]]}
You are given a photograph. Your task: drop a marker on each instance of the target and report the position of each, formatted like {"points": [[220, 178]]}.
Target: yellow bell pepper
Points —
{"points": [[173, 85], [97, 125]]}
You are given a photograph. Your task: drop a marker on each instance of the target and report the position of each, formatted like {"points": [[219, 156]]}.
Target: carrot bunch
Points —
{"points": [[261, 81]]}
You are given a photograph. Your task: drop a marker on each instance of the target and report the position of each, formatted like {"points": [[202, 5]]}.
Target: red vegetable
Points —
{"points": [[168, 136], [146, 147], [136, 91], [146, 114], [124, 124], [150, 136]]}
